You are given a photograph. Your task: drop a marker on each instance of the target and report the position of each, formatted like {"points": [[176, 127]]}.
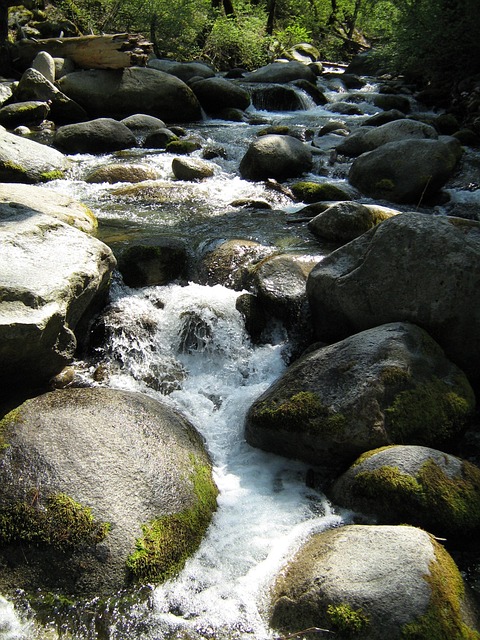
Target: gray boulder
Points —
{"points": [[72, 522], [344, 221], [275, 156], [412, 267], [33, 85], [159, 139], [183, 70], [216, 94], [277, 97], [47, 201], [112, 93], [123, 172], [95, 136], [53, 278], [142, 124], [282, 72], [29, 113], [408, 171], [415, 485], [389, 384], [374, 582], [45, 64], [23, 160], [365, 139], [186, 168]]}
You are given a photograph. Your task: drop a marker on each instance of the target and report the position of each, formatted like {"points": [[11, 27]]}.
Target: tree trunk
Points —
{"points": [[88, 52], [271, 16]]}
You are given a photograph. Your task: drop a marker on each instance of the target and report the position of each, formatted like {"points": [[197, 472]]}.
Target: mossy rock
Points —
{"points": [[156, 261], [415, 485], [319, 192], [183, 147], [372, 583], [70, 522]]}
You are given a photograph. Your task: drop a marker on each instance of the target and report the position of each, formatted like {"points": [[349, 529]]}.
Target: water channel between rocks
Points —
{"points": [[265, 509]]}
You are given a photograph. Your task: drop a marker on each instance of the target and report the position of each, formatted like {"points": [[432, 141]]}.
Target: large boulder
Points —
{"points": [[282, 72], [96, 136], [389, 384], [99, 488], [408, 171], [275, 156], [412, 267], [415, 485], [216, 94], [367, 139], [33, 85], [374, 582], [155, 261], [47, 201], [116, 94], [277, 97], [23, 160], [185, 71], [53, 277]]}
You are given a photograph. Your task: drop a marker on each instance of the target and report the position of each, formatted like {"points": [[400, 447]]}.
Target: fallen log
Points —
{"points": [[115, 51]]}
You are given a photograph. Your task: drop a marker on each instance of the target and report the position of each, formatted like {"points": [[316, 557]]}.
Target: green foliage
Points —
{"points": [[443, 618], [60, 522], [168, 541], [347, 620]]}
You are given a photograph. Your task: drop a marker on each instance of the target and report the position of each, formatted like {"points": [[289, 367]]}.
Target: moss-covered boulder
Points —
{"points": [[415, 485], [28, 113], [413, 267], [309, 192], [99, 489], [154, 261], [345, 221], [27, 161], [374, 582], [390, 384]]}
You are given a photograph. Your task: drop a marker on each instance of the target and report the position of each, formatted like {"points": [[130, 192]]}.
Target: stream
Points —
{"points": [[265, 510]]}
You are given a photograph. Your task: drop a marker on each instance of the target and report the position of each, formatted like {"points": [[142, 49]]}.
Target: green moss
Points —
{"points": [[303, 411], [7, 165], [430, 412], [369, 454], [316, 192], [443, 617], [385, 184], [432, 499], [348, 621], [60, 522], [55, 174], [168, 541], [182, 147]]}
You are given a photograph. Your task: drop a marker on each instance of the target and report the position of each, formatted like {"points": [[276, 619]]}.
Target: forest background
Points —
{"points": [[429, 41]]}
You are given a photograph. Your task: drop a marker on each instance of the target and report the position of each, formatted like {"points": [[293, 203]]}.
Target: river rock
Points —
{"points": [[71, 521], [116, 172], [374, 582], [344, 221], [186, 168], [34, 86], [389, 384], [277, 97], [367, 139], [29, 113], [412, 267], [47, 201], [45, 64], [185, 71], [319, 191], [408, 171], [275, 156], [142, 124], [156, 261], [415, 485], [389, 101], [216, 94], [113, 93], [382, 117], [23, 160], [96, 136], [159, 138], [282, 72], [53, 278]]}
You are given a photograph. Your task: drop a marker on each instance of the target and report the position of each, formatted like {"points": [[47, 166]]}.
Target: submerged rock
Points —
{"points": [[71, 522], [374, 582], [156, 261], [415, 485], [389, 384]]}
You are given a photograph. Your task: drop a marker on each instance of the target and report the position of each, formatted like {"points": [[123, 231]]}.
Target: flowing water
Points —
{"points": [[186, 345]]}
